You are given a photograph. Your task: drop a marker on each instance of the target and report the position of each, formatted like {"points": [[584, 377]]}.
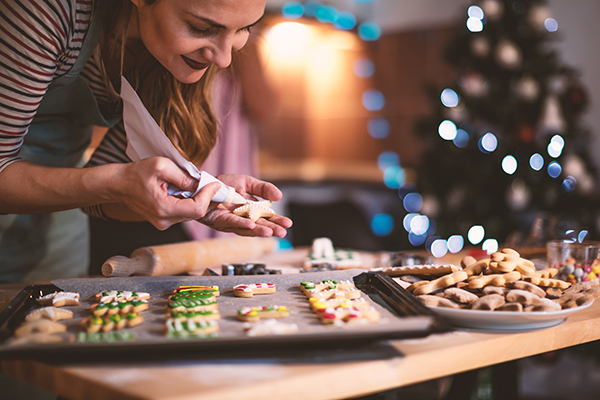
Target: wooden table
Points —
{"points": [[326, 375]]}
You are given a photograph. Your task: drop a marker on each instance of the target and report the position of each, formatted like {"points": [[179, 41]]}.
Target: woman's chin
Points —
{"points": [[189, 77]]}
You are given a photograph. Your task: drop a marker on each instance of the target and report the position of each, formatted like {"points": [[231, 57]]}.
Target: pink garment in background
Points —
{"points": [[236, 148]]}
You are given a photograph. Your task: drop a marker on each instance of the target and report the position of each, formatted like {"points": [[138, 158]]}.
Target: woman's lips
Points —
{"points": [[194, 64]]}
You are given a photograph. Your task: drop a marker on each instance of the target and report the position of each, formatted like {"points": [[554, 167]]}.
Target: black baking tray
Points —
{"points": [[416, 321]]}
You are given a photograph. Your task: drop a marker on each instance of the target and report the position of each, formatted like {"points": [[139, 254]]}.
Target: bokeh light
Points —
{"points": [[292, 10], [490, 246], [509, 165], [556, 145], [345, 21], [474, 25], [581, 236], [407, 220], [439, 248], [476, 234], [569, 184], [416, 240], [551, 25], [488, 143], [449, 98], [382, 224], [462, 139], [363, 68], [373, 100], [394, 177], [536, 162], [326, 14], [447, 130], [554, 169], [378, 128], [311, 7], [387, 159], [413, 202], [369, 31], [419, 224], [475, 12], [455, 243]]}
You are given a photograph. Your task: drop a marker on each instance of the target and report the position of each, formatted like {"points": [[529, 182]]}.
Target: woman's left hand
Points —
{"points": [[221, 218]]}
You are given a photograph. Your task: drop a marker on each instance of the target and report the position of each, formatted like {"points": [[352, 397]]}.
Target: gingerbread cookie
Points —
{"points": [[547, 282], [38, 338], [198, 288], [545, 273], [475, 268], [195, 294], [94, 323], [41, 325], [523, 297], [494, 290], [108, 296], [432, 270], [255, 210], [178, 328], [269, 327], [318, 303], [254, 314], [60, 299], [197, 316], [508, 260], [250, 289], [513, 307], [437, 301], [460, 295], [51, 313], [547, 305], [489, 302], [476, 282], [327, 284], [529, 287], [347, 315], [120, 307], [192, 305], [440, 283]]}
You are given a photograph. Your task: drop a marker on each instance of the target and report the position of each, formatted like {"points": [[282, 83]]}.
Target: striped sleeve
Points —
{"points": [[39, 41]]}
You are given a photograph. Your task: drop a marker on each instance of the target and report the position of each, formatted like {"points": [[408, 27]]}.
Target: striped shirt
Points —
{"points": [[40, 41]]}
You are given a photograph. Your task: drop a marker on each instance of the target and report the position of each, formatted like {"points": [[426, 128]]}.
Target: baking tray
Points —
{"points": [[402, 316]]}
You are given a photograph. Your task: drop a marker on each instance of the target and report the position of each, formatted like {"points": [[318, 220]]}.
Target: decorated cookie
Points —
{"points": [[51, 313], [198, 288], [120, 307], [318, 303], [196, 316], [254, 314], [192, 305], [347, 315], [94, 323], [108, 296], [60, 299], [106, 337], [250, 289], [179, 328], [327, 284], [41, 325], [269, 327], [255, 210], [195, 294]]}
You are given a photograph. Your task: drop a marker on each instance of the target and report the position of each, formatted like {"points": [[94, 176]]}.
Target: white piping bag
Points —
{"points": [[145, 139]]}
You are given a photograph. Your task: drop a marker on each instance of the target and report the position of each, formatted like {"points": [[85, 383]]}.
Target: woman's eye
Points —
{"points": [[201, 32], [247, 29]]}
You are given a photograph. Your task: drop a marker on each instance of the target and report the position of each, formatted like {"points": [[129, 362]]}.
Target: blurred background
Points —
{"points": [[405, 124]]}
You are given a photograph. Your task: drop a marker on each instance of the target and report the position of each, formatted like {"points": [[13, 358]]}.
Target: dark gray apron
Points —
{"points": [[46, 246]]}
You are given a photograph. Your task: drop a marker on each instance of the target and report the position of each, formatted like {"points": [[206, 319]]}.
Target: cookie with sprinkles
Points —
{"points": [[197, 316], [254, 314], [179, 328], [120, 307], [198, 288], [108, 296], [188, 305], [250, 289]]}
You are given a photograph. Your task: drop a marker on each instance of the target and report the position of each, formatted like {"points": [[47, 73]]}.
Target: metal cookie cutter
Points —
{"points": [[247, 269]]}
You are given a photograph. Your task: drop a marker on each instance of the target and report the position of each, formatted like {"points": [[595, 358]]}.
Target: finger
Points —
{"points": [[170, 172], [277, 229], [204, 197], [263, 189]]}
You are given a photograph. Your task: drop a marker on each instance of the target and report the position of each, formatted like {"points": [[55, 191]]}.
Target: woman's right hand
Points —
{"points": [[142, 187]]}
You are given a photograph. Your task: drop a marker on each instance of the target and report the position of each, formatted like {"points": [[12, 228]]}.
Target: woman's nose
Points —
{"points": [[219, 52]]}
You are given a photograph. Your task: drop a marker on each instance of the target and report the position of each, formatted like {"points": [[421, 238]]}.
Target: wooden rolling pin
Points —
{"points": [[177, 258]]}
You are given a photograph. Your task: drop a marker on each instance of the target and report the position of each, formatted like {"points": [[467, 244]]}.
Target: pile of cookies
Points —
{"points": [[41, 324], [504, 282], [338, 303], [193, 311], [116, 309]]}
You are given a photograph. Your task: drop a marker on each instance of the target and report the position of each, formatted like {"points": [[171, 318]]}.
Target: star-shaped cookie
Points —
{"points": [[255, 210]]}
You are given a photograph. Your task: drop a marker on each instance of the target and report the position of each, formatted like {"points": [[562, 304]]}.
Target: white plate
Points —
{"points": [[505, 320]]}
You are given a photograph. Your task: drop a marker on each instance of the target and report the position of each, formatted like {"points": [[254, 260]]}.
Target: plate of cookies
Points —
{"points": [[502, 292]]}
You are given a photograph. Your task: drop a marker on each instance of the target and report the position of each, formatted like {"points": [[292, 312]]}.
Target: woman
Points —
{"points": [[60, 77]]}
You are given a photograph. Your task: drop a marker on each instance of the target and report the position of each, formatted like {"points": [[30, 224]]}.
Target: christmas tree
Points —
{"points": [[506, 148]]}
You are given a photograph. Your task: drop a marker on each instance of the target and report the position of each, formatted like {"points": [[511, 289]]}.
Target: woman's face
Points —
{"points": [[186, 36]]}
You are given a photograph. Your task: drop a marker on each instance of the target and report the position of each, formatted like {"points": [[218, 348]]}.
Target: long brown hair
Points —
{"points": [[183, 111]]}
